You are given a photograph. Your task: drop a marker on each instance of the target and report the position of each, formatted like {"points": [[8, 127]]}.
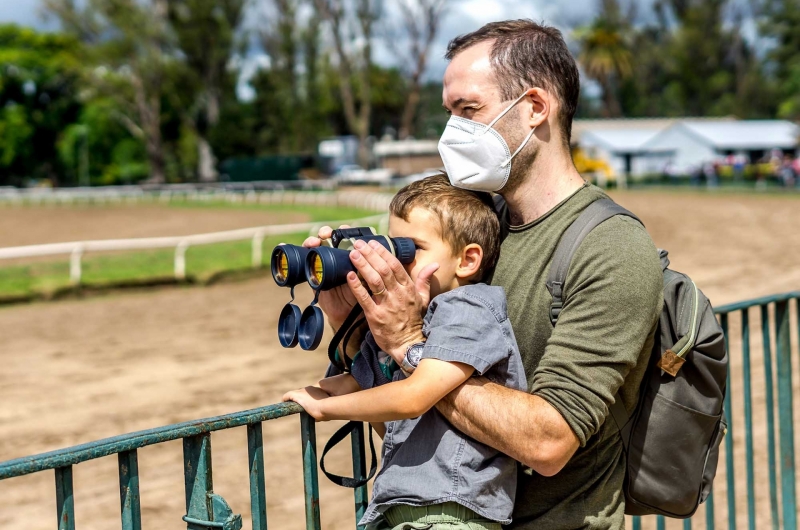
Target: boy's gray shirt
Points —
{"points": [[425, 460]]}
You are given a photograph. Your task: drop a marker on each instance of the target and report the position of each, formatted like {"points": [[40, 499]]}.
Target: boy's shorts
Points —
{"points": [[446, 516]]}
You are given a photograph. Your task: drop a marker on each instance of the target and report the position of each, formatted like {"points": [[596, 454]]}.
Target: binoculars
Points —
{"points": [[324, 268]]}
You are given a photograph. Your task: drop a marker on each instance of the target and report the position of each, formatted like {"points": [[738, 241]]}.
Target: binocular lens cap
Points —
{"points": [[288, 324], [312, 325]]}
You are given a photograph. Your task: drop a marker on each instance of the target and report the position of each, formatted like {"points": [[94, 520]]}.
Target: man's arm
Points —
{"points": [[523, 426]]}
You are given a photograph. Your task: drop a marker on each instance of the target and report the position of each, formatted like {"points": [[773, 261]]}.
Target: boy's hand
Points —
{"points": [[339, 385], [395, 309], [336, 303], [309, 398]]}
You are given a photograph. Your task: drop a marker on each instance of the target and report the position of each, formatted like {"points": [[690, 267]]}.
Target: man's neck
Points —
{"points": [[550, 180]]}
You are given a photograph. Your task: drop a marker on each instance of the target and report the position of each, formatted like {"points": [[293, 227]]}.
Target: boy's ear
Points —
{"points": [[470, 261]]}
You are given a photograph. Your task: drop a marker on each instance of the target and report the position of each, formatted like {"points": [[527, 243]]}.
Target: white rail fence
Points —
{"points": [[77, 249], [238, 195]]}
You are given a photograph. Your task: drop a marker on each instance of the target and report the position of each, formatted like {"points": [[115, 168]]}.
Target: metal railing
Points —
{"points": [[206, 510], [773, 314]]}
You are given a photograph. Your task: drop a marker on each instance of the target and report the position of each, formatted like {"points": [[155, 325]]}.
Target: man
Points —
{"points": [[519, 77]]}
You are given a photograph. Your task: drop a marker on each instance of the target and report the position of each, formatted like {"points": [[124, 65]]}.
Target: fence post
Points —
{"points": [[129, 490], [785, 415], [770, 403], [180, 260], [748, 421], [197, 478], [258, 494], [75, 265], [729, 467], [65, 503], [308, 433], [257, 251]]}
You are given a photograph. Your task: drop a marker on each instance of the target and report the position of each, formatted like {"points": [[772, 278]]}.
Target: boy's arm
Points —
{"points": [[339, 385], [408, 398]]}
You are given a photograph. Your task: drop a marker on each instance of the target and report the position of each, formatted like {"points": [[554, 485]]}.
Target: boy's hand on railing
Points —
{"points": [[309, 398], [339, 385], [339, 301]]}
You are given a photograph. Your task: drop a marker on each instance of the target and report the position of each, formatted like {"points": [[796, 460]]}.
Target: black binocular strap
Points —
{"points": [[338, 436], [344, 332]]}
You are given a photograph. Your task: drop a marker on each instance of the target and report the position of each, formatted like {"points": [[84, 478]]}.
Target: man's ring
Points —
{"points": [[380, 292]]}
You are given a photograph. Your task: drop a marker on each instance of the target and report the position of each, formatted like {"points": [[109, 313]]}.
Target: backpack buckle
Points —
{"points": [[555, 311]]}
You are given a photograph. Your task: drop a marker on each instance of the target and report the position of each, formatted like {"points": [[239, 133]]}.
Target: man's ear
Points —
{"points": [[470, 261], [540, 106]]}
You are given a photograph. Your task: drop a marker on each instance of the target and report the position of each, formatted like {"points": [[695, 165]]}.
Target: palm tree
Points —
{"points": [[605, 57]]}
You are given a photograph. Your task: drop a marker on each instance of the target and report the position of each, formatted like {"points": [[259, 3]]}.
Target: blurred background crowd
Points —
{"points": [[103, 92]]}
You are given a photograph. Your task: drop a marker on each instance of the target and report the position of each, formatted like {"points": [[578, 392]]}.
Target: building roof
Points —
{"points": [[619, 141], [657, 124], [745, 135], [406, 148]]}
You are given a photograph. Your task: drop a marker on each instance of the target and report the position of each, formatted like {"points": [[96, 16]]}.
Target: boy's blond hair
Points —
{"points": [[464, 216]]}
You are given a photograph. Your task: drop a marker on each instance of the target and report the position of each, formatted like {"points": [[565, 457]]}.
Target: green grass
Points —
{"points": [[203, 262]]}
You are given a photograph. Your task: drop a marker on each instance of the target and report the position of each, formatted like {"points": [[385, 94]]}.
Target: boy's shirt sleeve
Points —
{"points": [[466, 325]]}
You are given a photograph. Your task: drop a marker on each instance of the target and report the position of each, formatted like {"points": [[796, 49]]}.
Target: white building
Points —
{"points": [[624, 150], [650, 146], [691, 144]]}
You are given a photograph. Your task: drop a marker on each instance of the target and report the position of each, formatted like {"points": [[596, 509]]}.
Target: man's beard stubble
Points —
{"points": [[514, 135]]}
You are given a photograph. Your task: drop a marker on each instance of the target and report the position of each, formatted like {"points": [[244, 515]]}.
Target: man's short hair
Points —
{"points": [[464, 216], [525, 55]]}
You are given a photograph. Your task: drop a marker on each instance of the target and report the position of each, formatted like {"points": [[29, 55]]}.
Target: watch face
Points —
{"points": [[415, 353]]}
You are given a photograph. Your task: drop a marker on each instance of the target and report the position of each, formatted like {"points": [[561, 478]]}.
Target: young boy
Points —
{"points": [[433, 476]]}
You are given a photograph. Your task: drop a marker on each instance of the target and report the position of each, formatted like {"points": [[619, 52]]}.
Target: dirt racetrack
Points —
{"points": [[79, 370]]}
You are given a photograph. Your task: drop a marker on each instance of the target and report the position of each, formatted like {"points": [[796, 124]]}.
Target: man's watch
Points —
{"points": [[412, 358]]}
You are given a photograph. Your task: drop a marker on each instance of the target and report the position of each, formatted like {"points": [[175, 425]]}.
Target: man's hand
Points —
{"points": [[339, 385], [394, 312], [309, 398], [338, 302]]}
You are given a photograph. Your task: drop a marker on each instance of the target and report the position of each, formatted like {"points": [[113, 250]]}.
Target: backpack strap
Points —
{"points": [[501, 209], [593, 215]]}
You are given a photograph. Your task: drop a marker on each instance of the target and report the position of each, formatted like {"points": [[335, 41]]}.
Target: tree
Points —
{"points": [[129, 44], [353, 64], [781, 23], [421, 20], [205, 32], [39, 85], [605, 55]]}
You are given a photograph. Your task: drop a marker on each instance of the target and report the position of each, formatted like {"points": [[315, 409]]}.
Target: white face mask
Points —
{"points": [[475, 156]]}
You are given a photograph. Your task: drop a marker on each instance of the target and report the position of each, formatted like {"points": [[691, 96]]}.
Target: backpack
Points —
{"points": [[671, 440]]}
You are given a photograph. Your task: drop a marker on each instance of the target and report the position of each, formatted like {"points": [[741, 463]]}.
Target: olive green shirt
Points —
{"points": [[600, 345]]}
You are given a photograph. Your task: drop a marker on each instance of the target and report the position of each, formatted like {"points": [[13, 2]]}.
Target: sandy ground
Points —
{"points": [[76, 371], [34, 225]]}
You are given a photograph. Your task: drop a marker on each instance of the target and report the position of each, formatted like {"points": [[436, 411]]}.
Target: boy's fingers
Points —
{"points": [[361, 294], [423, 284]]}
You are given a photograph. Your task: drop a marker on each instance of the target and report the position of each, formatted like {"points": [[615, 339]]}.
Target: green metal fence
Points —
{"points": [[206, 510]]}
